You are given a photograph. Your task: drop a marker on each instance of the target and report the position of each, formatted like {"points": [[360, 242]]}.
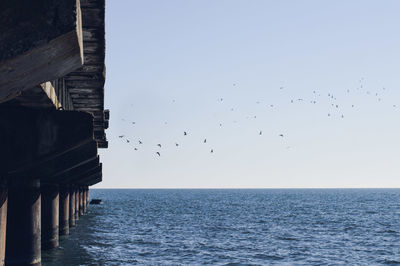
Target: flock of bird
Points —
{"points": [[330, 96]]}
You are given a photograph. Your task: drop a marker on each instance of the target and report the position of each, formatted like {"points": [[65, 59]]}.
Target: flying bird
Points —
{"points": [[121, 136], [205, 140], [158, 153], [212, 151], [281, 135], [140, 142], [159, 145], [260, 133], [184, 133]]}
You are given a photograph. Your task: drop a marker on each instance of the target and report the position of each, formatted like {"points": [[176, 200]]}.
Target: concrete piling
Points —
{"points": [[72, 205], [76, 191], [50, 215], [3, 221], [87, 197], [84, 200], [80, 201], [64, 211], [23, 223]]}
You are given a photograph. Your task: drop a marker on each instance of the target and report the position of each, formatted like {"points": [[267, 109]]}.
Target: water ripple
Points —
{"points": [[236, 227]]}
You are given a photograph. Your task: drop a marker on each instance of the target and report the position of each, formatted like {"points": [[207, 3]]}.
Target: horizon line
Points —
{"points": [[215, 188]]}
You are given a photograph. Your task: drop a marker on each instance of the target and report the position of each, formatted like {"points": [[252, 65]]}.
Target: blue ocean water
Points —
{"points": [[236, 227]]}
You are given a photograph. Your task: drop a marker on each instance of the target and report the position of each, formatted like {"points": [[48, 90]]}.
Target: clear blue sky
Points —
{"points": [[169, 63]]}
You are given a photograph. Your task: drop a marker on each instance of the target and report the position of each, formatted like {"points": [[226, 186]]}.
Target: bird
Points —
{"points": [[212, 151], [205, 140], [158, 153], [281, 135], [184, 133], [133, 123], [127, 141], [140, 142], [121, 136], [159, 145], [260, 133], [135, 149], [176, 144]]}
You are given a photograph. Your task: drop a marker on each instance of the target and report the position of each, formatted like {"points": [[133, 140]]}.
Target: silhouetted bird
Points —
{"points": [[184, 133], [121, 136], [176, 144], [260, 132], [205, 140], [159, 145], [127, 141], [158, 153], [212, 151], [135, 149], [140, 142], [281, 135]]}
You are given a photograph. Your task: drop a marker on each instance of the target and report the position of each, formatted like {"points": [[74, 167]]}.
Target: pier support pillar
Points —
{"points": [[50, 215], [3, 221], [87, 197], [84, 200], [23, 246], [64, 211], [72, 206], [76, 203], [80, 201]]}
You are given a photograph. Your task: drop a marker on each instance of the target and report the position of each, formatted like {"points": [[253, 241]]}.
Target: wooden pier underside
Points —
{"points": [[52, 75], [52, 120]]}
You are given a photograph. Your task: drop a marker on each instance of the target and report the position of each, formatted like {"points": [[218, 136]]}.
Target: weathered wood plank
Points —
{"points": [[93, 17], [28, 136], [94, 181], [34, 48], [85, 175], [74, 170]]}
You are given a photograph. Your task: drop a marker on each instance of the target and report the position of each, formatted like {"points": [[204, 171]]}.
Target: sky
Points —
{"points": [[228, 70]]}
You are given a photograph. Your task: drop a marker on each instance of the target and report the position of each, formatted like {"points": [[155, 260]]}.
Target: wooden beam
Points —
{"points": [[28, 137], [94, 181], [74, 170], [50, 91], [40, 40], [46, 168], [84, 176]]}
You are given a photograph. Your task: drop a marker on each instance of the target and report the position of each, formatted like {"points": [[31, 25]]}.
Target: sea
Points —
{"points": [[235, 227]]}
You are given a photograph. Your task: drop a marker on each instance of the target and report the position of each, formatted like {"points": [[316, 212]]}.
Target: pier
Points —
{"points": [[52, 120]]}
